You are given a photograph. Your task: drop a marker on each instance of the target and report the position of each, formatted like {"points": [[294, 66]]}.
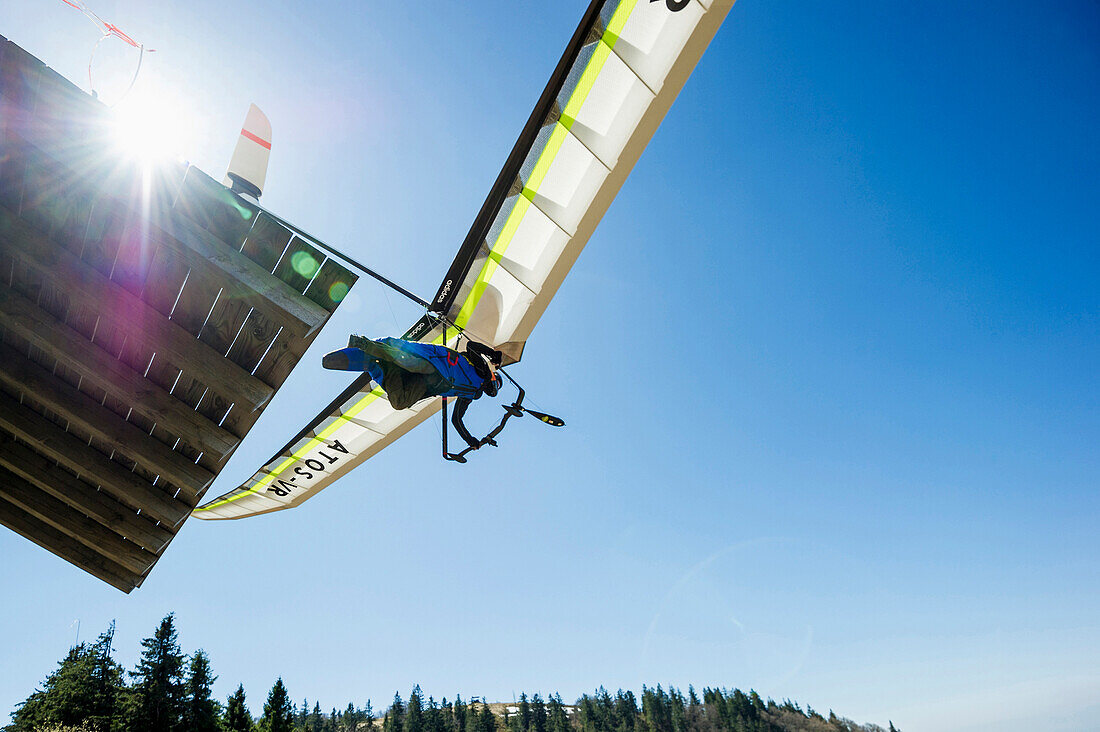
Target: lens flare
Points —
{"points": [[338, 291], [304, 264]]}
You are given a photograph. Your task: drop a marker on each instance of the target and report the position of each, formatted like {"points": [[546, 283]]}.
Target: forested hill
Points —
{"points": [[170, 692]]}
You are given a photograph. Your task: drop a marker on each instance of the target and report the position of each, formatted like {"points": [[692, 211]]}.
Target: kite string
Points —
{"points": [[108, 30]]}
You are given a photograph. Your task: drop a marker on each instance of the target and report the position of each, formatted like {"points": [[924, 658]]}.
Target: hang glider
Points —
{"points": [[620, 73]]}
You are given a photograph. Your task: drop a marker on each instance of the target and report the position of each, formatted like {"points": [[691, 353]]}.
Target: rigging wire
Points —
{"points": [[440, 318]]}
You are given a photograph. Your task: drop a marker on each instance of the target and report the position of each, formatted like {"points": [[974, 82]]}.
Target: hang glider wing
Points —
{"points": [[619, 75]]}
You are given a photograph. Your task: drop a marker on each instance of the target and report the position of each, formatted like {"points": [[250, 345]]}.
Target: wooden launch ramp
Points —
{"points": [[147, 316]]}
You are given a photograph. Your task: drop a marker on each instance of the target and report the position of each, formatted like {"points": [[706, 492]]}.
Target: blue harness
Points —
{"points": [[448, 372]]}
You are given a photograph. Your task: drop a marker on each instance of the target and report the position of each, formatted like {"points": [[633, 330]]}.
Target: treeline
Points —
{"points": [[171, 692]]}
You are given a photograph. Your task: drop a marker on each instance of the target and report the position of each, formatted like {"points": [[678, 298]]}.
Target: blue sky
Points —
{"points": [[829, 366]]}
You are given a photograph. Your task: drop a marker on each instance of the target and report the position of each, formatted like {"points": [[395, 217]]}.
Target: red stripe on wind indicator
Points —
{"points": [[256, 139]]}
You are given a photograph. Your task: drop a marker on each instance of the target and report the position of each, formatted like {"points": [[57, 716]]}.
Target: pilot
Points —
{"points": [[409, 371]]}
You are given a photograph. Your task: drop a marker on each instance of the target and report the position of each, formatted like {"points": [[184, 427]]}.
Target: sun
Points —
{"points": [[152, 127]]}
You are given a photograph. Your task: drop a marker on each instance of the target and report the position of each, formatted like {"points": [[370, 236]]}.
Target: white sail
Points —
{"points": [[620, 74]]}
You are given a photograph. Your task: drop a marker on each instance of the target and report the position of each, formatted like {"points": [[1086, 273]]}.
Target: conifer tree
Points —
{"points": [[433, 717], [84, 690], [679, 712], [486, 720], [156, 700], [626, 711], [459, 714], [278, 714], [349, 720], [524, 713], [558, 720], [301, 714], [414, 716], [201, 712], [237, 717], [538, 714], [394, 721]]}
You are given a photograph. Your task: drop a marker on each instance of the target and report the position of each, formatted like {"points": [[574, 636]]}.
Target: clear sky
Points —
{"points": [[830, 368]]}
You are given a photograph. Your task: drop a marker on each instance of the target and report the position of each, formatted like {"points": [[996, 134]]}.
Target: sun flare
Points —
{"points": [[152, 127]]}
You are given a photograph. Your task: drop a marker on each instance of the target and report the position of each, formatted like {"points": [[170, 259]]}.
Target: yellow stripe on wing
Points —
{"points": [[546, 158]]}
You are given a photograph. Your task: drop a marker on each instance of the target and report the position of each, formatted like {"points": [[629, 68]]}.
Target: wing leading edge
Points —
{"points": [[622, 70]]}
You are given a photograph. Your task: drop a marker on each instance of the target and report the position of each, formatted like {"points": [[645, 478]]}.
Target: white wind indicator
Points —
{"points": [[248, 167]]}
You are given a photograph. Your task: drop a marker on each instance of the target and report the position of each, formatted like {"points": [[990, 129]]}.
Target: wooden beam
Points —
{"points": [[69, 549], [96, 504], [127, 312], [72, 523], [22, 374], [22, 317], [55, 443]]}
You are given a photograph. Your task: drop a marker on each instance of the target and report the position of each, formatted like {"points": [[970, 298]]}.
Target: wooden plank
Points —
{"points": [[50, 440], [70, 522], [331, 285], [68, 549], [96, 366], [64, 486], [101, 422], [120, 306]]}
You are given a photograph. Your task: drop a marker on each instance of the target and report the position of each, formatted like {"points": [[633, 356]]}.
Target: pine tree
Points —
{"points": [[524, 713], [626, 709], [84, 690], [394, 721], [459, 714], [156, 700], [366, 714], [278, 714], [237, 717], [433, 717], [414, 717], [486, 720], [200, 712], [679, 713], [558, 720], [313, 722], [538, 714]]}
